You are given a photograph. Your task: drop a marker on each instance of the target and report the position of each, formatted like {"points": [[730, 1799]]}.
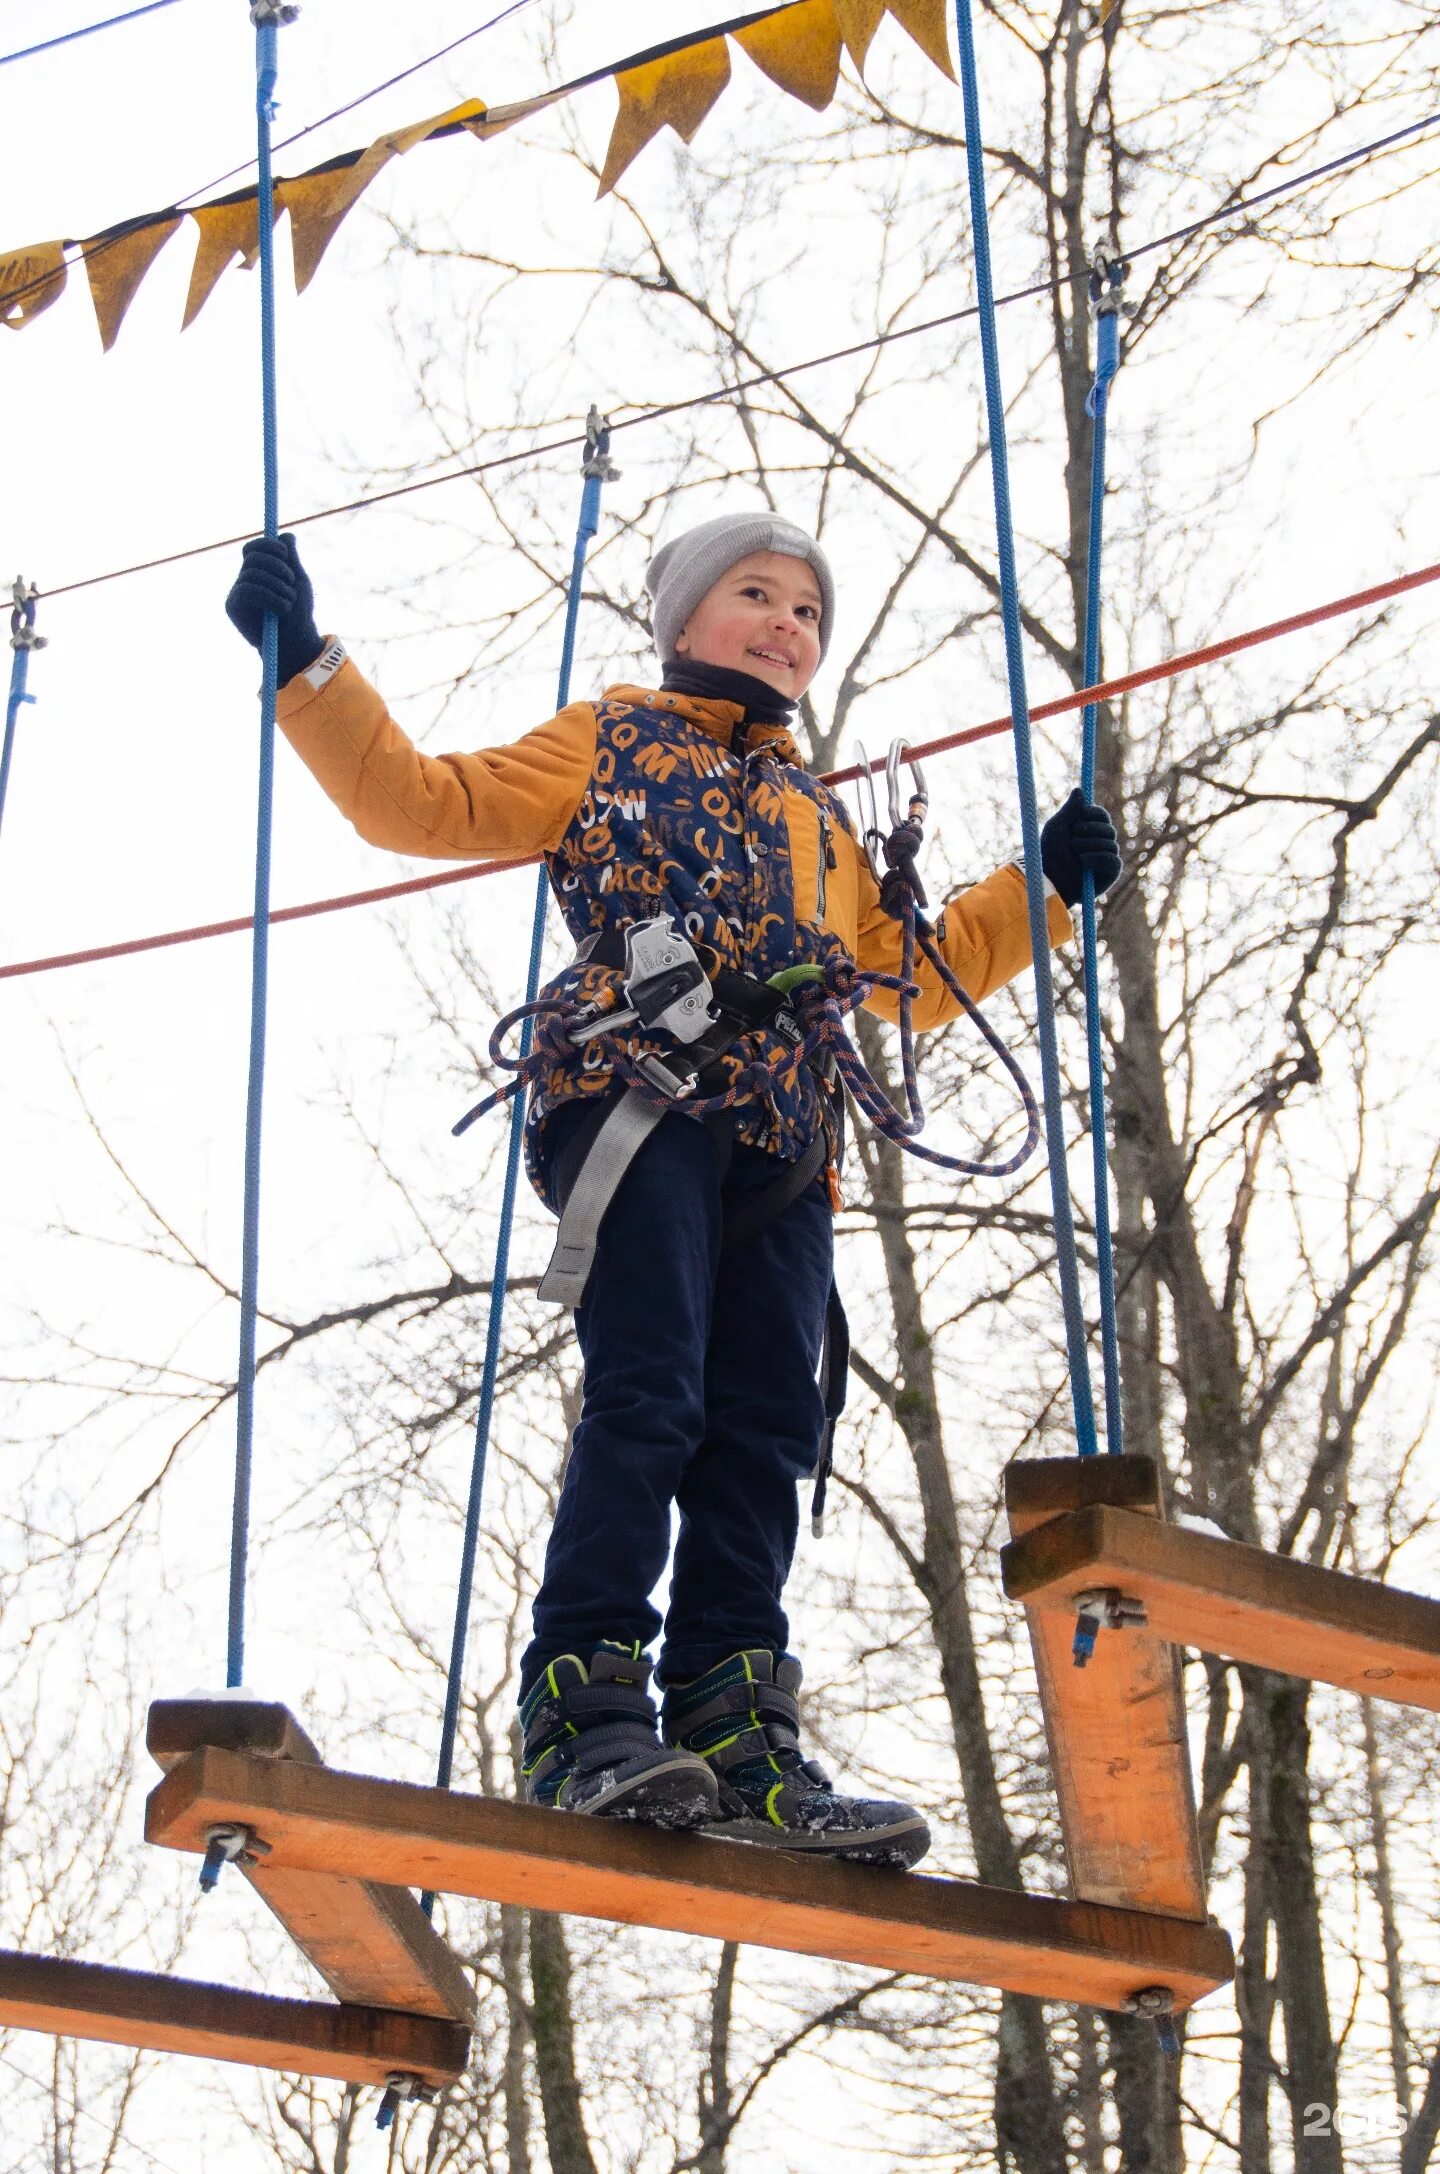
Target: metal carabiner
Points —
{"points": [[872, 837], [914, 814]]}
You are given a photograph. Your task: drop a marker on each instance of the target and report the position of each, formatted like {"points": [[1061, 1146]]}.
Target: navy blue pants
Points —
{"points": [[700, 1391]]}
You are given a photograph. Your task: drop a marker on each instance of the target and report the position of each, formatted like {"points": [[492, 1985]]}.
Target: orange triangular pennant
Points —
{"points": [[858, 22], [115, 264], [227, 230], [30, 280], [928, 22], [494, 120], [318, 201], [676, 91], [799, 50]]}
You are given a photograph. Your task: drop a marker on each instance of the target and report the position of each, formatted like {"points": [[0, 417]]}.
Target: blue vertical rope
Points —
{"points": [[1106, 292], [597, 471], [267, 17], [23, 639], [1067, 1262]]}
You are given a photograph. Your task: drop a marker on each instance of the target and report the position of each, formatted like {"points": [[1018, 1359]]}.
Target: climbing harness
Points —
{"points": [[665, 981], [668, 986], [1107, 287], [23, 641]]}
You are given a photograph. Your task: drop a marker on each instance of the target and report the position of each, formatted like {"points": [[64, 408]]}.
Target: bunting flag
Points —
{"points": [[797, 45]]}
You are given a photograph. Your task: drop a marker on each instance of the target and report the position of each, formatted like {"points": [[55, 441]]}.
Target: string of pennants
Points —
{"points": [[799, 47]]}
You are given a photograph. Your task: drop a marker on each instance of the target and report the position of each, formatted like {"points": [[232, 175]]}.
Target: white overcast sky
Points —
{"points": [[131, 802]]}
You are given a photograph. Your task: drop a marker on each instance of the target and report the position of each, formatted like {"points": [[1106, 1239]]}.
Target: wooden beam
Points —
{"points": [[183, 2015], [317, 1820], [1224, 1597], [372, 1945], [1119, 1747]]}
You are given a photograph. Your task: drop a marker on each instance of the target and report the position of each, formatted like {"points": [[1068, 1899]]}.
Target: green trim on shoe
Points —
{"points": [[801, 1811]]}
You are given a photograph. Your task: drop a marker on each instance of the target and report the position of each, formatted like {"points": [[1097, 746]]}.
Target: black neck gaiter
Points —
{"points": [[762, 703]]}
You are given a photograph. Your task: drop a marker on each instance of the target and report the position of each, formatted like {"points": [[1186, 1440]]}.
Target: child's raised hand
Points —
{"points": [[271, 578], [1079, 839]]}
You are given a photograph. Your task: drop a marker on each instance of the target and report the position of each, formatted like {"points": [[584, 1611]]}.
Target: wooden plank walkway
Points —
{"points": [[318, 1821], [372, 1944], [1226, 1598], [184, 2015], [1119, 1748]]}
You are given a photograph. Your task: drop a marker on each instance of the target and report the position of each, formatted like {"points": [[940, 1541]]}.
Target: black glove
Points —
{"points": [[1080, 837], [271, 578]]}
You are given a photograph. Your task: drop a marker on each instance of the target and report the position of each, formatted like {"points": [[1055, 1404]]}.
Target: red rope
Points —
{"points": [[1107, 690]]}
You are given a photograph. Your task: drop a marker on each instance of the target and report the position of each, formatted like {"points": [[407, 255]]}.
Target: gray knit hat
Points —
{"points": [[688, 567]]}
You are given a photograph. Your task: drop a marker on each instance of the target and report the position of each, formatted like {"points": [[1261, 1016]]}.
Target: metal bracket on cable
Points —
{"points": [[279, 12], [229, 1845], [401, 2090], [596, 462], [1108, 272], [1106, 1608], [24, 596], [1107, 298], [1158, 2002]]}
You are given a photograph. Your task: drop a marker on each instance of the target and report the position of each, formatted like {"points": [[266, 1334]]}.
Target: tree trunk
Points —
{"points": [[516, 2098], [1299, 1950], [1146, 2103], [1254, 1991], [715, 2079], [1424, 2131], [1385, 1902], [1027, 2114], [553, 2024], [1089, 2092]]}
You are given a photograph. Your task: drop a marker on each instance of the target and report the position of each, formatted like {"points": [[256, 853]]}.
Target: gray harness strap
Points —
{"points": [[625, 1130]]}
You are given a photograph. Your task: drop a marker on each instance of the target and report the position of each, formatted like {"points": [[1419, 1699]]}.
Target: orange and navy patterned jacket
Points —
{"points": [[643, 803]]}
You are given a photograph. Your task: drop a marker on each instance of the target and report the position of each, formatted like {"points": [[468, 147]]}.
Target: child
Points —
{"points": [[700, 1356]]}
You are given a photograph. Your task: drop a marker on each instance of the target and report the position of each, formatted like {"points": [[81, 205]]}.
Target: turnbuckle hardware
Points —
{"points": [[229, 1844], [1158, 2002], [595, 462], [1103, 1608], [23, 595]]}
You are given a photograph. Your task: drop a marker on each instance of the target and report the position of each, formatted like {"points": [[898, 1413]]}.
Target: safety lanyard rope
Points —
{"points": [[596, 470], [23, 639], [267, 16], [1067, 1261], [819, 1006], [1106, 284]]}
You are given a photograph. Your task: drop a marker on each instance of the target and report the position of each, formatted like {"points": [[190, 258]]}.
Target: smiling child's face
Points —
{"points": [[763, 617]]}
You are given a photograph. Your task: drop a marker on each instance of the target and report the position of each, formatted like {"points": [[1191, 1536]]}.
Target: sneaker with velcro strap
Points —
{"points": [[591, 1744], [742, 1717]]}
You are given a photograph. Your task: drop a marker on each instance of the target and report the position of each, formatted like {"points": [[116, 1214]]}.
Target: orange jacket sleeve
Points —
{"points": [[498, 804], [984, 939]]}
